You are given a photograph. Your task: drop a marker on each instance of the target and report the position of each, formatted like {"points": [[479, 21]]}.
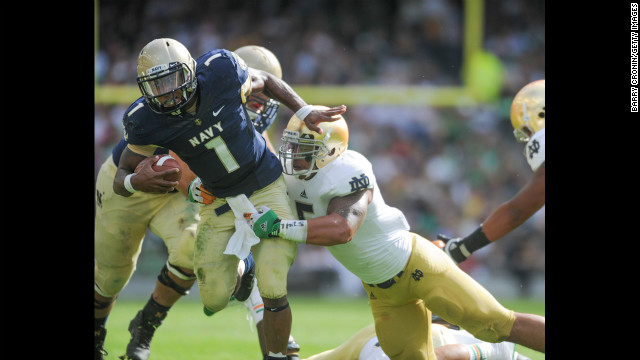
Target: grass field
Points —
{"points": [[318, 324]]}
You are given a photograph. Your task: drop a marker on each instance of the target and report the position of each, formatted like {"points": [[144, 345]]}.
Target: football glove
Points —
{"points": [[199, 195], [265, 223], [452, 249]]}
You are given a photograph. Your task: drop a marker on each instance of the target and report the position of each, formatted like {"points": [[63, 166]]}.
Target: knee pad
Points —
{"points": [[166, 280], [99, 305]]}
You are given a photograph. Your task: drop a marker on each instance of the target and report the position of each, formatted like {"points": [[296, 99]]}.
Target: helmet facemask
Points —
{"points": [[262, 110], [297, 148], [167, 89], [305, 152]]}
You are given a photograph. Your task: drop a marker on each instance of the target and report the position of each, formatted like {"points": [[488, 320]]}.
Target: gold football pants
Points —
{"points": [[431, 281], [121, 223], [217, 272]]}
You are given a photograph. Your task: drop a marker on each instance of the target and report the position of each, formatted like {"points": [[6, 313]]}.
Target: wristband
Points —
{"points": [[475, 240], [127, 184], [294, 230], [304, 111]]}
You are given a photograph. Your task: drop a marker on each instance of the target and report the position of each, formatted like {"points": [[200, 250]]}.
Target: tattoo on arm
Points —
{"points": [[352, 207]]}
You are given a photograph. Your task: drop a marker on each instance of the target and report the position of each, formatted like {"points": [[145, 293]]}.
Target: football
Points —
{"points": [[167, 162]]}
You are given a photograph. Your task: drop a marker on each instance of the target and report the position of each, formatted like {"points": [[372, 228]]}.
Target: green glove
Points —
{"points": [[265, 223]]}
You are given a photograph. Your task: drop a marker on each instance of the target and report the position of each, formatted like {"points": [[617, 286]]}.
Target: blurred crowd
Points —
{"points": [[446, 168]]}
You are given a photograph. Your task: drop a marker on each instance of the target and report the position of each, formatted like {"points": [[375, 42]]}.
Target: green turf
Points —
{"points": [[318, 324]]}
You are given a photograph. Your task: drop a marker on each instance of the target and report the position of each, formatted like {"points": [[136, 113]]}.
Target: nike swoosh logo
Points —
{"points": [[215, 113]]}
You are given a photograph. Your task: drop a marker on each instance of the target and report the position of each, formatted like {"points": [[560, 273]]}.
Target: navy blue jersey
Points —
{"points": [[218, 142], [116, 152]]}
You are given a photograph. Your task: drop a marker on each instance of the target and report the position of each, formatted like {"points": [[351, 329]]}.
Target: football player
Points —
{"points": [[527, 118], [195, 107], [449, 342], [261, 109], [120, 226], [339, 205], [173, 219]]}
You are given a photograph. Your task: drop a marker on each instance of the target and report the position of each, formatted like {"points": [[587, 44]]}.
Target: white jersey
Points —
{"points": [[441, 335], [534, 150], [382, 245]]}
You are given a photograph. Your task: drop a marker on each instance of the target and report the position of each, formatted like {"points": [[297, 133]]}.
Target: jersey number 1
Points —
{"points": [[223, 153]]}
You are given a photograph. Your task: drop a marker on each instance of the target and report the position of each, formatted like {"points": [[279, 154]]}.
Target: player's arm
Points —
{"points": [[187, 175], [190, 185], [501, 221], [517, 210], [136, 174], [271, 86], [344, 216]]}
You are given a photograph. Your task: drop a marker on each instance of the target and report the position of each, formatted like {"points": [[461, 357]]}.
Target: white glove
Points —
{"points": [[198, 195]]}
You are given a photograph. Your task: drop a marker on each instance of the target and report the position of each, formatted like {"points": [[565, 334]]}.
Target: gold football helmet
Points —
{"points": [[260, 58], [527, 111], [166, 75], [304, 152], [261, 109]]}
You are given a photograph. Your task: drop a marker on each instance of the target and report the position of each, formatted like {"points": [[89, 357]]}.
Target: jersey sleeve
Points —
{"points": [[245, 89], [352, 173], [143, 150], [534, 150]]}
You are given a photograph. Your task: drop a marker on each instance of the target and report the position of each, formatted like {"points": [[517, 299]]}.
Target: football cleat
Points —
{"points": [[142, 331], [246, 282], [99, 335], [293, 349]]}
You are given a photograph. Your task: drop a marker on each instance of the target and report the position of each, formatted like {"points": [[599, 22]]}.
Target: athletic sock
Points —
{"points": [[255, 305], [153, 311], [100, 322], [485, 350]]}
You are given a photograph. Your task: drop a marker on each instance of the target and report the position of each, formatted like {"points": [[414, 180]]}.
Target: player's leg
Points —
{"points": [[352, 348], [120, 225], [273, 259], [403, 327], [216, 272], [456, 297], [119, 230], [528, 330], [255, 306]]}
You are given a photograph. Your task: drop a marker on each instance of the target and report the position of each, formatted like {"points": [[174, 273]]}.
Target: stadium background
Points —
{"points": [[428, 84]]}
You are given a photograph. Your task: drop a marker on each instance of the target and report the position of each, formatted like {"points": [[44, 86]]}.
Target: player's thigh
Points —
{"points": [[216, 272], [274, 256], [176, 225], [120, 222], [455, 296], [403, 330]]}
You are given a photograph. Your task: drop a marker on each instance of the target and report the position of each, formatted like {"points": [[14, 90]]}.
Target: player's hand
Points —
{"points": [[199, 195], [317, 116], [450, 247], [265, 223], [148, 180]]}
